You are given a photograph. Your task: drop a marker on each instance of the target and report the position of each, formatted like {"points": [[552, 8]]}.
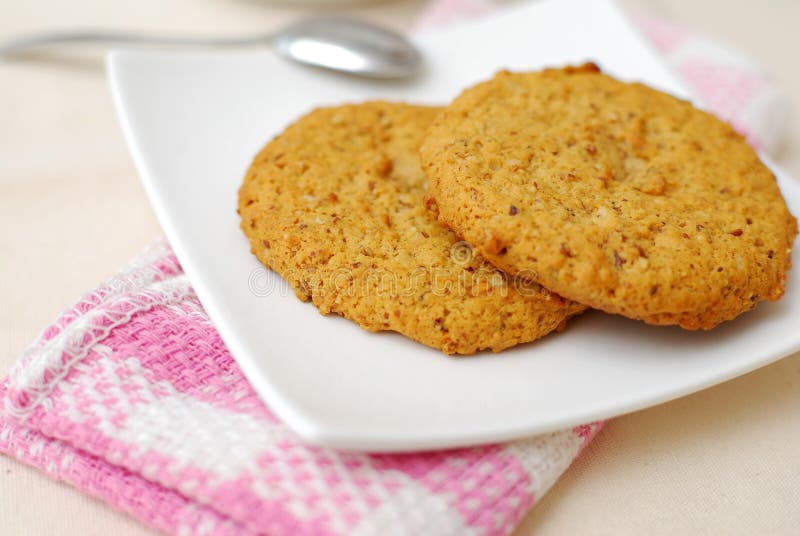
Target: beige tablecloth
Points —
{"points": [[723, 461]]}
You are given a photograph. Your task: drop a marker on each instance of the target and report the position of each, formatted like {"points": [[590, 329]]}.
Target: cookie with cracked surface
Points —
{"points": [[611, 194], [335, 205]]}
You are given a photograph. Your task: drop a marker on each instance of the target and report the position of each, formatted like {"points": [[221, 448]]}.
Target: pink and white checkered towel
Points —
{"points": [[132, 397]]}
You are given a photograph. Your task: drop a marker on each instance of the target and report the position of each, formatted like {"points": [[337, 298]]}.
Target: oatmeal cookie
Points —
{"points": [[612, 194], [335, 205]]}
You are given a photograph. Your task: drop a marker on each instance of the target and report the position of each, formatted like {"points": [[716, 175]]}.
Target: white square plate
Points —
{"points": [[194, 121]]}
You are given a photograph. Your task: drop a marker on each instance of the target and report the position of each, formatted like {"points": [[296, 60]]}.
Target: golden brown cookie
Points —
{"points": [[334, 205], [614, 195]]}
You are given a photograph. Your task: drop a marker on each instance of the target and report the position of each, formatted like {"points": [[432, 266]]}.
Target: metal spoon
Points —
{"points": [[336, 43]]}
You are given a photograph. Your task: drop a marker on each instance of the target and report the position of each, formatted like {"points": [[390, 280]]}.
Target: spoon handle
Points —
{"points": [[26, 43]]}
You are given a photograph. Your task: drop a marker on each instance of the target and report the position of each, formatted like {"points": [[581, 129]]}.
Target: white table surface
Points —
{"points": [[723, 461]]}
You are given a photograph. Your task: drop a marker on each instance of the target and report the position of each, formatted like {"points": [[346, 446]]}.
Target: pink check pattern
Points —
{"points": [[131, 396]]}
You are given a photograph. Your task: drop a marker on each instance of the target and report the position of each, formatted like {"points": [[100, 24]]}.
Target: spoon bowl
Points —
{"points": [[349, 46]]}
